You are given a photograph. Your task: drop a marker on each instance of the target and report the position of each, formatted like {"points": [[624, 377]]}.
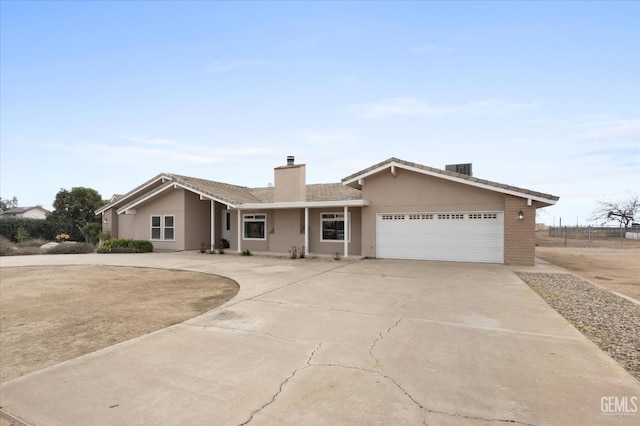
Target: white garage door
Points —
{"points": [[463, 237]]}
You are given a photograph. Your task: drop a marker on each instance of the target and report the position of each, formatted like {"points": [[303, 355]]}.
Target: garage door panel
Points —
{"points": [[469, 237]]}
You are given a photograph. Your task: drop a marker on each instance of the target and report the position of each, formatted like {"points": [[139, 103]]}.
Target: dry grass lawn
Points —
{"points": [[613, 264], [53, 314]]}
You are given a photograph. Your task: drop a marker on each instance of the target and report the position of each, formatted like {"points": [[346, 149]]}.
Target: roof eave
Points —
{"points": [[170, 185], [302, 204], [129, 195]]}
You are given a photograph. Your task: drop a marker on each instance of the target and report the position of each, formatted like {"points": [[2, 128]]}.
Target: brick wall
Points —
{"points": [[519, 235]]}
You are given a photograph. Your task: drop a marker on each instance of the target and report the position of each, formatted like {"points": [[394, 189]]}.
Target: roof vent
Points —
{"points": [[290, 160], [463, 169]]}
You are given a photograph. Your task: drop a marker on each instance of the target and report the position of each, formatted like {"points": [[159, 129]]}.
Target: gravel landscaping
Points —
{"points": [[611, 322]]}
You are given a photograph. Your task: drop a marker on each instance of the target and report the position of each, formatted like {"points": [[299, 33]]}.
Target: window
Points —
{"points": [[254, 226], [416, 216], [333, 227], [163, 228], [483, 215], [393, 217]]}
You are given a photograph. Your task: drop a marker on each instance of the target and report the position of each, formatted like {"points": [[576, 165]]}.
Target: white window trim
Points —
{"points": [[332, 219], [252, 218], [162, 227]]}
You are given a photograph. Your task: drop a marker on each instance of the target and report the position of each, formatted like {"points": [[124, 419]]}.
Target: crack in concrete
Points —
{"points": [[379, 338], [291, 376], [418, 404]]}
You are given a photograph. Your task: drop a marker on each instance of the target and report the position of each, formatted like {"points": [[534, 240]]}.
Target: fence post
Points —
{"points": [[565, 235], [589, 235]]}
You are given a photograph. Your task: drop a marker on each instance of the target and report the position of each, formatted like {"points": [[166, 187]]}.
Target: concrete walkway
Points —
{"points": [[317, 342]]}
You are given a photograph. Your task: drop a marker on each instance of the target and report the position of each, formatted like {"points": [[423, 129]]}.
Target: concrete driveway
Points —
{"points": [[316, 342]]}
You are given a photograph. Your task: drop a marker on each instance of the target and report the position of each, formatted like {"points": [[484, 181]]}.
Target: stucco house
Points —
{"points": [[35, 212], [393, 209]]}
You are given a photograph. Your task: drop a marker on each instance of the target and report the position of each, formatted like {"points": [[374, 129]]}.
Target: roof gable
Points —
{"points": [[355, 179]]}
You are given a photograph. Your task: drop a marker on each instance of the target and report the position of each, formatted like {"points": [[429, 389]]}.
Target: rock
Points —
{"points": [[49, 245]]}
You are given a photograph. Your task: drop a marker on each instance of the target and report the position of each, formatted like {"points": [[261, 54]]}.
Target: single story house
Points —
{"points": [[35, 212], [393, 209]]}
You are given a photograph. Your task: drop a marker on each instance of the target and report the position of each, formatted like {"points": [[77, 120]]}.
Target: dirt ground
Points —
{"points": [[613, 264], [52, 314]]}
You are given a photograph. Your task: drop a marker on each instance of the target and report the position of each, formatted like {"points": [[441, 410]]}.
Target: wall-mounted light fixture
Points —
{"points": [[520, 215], [105, 220]]}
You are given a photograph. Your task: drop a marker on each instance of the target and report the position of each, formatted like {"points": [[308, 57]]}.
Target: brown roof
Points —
{"points": [[234, 194], [453, 174], [239, 194]]}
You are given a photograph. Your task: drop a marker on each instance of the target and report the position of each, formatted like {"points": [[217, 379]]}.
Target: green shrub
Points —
{"points": [[125, 246], [91, 232], [36, 228], [246, 252], [72, 248], [21, 234]]}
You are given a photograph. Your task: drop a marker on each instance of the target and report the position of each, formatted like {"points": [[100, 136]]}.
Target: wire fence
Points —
{"points": [[590, 236], [596, 232]]}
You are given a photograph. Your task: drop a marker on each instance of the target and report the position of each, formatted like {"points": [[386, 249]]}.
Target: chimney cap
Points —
{"points": [[290, 160]]}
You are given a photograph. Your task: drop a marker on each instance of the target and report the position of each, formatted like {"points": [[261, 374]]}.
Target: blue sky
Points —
{"points": [[541, 95]]}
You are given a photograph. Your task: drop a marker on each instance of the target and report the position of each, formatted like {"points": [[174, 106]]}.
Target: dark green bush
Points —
{"points": [[125, 246], [35, 228]]}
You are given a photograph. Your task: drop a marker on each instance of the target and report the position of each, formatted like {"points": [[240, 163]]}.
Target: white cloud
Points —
{"points": [[163, 151], [607, 129], [416, 107]]}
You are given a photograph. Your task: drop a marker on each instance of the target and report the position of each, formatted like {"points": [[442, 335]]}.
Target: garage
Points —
{"points": [[453, 236]]}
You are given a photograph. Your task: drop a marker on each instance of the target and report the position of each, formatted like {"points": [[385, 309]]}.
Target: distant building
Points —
{"points": [[36, 212]]}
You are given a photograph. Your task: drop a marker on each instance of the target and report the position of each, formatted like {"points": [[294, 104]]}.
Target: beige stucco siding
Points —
{"points": [[288, 230], [290, 183], [408, 192], [197, 229], [110, 222], [126, 227], [169, 202]]}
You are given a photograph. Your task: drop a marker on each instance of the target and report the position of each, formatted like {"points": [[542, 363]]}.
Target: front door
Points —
{"points": [[226, 224]]}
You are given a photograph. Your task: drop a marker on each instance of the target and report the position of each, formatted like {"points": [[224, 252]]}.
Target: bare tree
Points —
{"points": [[7, 204], [622, 212]]}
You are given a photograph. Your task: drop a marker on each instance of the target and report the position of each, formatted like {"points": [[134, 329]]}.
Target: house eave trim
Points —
{"points": [[130, 195], [301, 204], [171, 185], [393, 165]]}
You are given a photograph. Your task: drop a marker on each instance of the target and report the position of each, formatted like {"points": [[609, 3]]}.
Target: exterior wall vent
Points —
{"points": [[463, 169]]}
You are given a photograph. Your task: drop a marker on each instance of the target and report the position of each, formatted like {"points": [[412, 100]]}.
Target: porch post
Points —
{"points": [[213, 224], [346, 231], [306, 231], [239, 232]]}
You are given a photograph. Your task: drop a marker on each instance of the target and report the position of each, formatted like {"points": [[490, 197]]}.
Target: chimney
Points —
{"points": [[290, 182]]}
